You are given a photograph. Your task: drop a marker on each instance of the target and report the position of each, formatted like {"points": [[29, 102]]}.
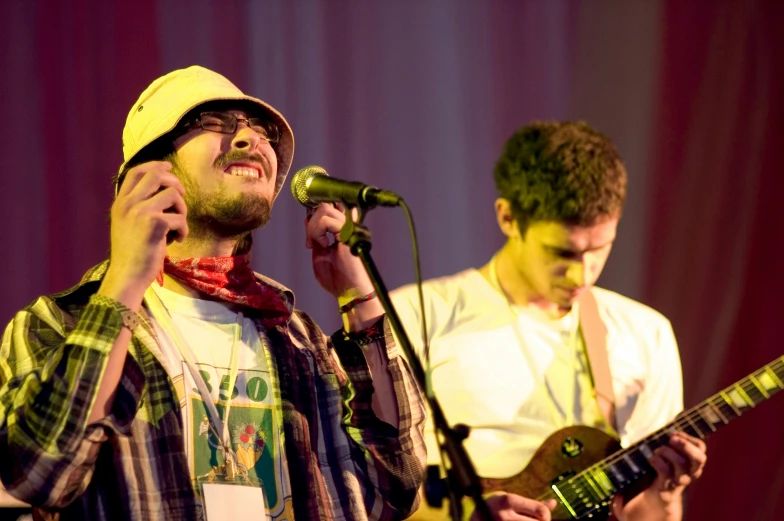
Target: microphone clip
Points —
{"points": [[354, 234]]}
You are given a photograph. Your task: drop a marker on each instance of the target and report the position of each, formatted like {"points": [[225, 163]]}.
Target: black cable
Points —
{"points": [[418, 279]]}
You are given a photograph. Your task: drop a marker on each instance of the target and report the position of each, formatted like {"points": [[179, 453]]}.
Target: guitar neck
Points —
{"points": [[591, 489]]}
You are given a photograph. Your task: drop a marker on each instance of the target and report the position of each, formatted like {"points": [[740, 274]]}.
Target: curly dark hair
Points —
{"points": [[560, 171]]}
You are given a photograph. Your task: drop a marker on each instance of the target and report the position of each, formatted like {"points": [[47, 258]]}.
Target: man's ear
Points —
{"points": [[506, 221]]}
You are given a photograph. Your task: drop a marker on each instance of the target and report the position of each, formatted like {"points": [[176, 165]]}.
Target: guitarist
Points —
{"points": [[507, 354]]}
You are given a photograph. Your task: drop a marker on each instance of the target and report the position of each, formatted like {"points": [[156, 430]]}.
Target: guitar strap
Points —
{"points": [[595, 336]]}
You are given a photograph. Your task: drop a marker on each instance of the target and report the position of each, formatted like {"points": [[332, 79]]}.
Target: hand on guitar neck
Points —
{"points": [[677, 464]]}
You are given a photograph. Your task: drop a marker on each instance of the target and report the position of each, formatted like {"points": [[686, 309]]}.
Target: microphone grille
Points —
{"points": [[299, 183]]}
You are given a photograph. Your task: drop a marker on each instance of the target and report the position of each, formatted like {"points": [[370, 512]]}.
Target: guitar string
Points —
{"points": [[683, 422]]}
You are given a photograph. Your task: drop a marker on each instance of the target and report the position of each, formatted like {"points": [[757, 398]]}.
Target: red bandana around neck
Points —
{"points": [[230, 279]]}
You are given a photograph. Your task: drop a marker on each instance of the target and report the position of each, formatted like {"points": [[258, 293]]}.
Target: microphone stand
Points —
{"points": [[462, 476]]}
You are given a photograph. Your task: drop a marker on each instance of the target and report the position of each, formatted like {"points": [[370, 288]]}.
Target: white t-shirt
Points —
{"points": [[487, 362], [255, 418]]}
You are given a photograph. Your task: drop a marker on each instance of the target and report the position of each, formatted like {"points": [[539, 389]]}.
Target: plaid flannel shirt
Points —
{"points": [[132, 465]]}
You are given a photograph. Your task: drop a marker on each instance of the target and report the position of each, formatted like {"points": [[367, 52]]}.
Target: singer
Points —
{"points": [[173, 383]]}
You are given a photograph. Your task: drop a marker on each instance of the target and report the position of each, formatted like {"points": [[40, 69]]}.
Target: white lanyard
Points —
{"points": [[560, 416], [220, 427]]}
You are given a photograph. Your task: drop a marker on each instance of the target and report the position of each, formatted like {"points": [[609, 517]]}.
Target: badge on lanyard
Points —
{"points": [[227, 491], [227, 499]]}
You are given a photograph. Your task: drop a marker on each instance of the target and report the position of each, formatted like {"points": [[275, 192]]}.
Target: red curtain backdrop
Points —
{"points": [[716, 236], [418, 96]]}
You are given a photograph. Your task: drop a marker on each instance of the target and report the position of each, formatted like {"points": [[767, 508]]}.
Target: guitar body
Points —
{"points": [[566, 452]]}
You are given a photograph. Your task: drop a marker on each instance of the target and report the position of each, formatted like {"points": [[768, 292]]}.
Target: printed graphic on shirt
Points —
{"points": [[255, 436]]}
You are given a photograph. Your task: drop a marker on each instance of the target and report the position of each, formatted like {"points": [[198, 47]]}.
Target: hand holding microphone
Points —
{"points": [[338, 271]]}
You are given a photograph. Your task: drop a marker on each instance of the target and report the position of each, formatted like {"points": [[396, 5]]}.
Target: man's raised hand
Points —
{"points": [[149, 205]]}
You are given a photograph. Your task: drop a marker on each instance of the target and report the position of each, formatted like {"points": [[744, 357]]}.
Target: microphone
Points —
{"points": [[312, 186]]}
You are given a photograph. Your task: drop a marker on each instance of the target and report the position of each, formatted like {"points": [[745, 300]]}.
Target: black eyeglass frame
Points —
{"points": [[264, 127]]}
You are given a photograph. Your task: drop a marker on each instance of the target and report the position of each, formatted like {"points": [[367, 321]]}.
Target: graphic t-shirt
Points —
{"points": [[255, 419]]}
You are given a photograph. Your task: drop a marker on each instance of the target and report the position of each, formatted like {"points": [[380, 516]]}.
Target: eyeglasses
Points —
{"points": [[226, 123]]}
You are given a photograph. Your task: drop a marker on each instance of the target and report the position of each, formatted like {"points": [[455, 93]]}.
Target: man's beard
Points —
{"points": [[220, 214]]}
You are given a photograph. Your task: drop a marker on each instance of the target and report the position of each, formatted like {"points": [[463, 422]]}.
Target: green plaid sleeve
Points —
{"points": [[50, 368], [395, 457]]}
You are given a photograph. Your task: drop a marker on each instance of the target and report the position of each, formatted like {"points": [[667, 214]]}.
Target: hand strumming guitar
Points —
{"points": [[512, 507]]}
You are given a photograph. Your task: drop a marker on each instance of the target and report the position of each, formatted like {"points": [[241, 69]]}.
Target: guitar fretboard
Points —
{"points": [[592, 489]]}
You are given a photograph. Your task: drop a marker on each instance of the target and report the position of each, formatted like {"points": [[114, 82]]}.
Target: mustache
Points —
{"points": [[239, 155]]}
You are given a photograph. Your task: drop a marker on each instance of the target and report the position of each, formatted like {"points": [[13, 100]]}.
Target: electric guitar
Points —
{"points": [[584, 468]]}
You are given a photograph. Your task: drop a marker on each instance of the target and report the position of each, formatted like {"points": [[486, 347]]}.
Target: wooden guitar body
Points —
{"points": [[565, 453]]}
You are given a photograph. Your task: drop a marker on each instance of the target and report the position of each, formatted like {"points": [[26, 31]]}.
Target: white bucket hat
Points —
{"points": [[163, 104]]}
